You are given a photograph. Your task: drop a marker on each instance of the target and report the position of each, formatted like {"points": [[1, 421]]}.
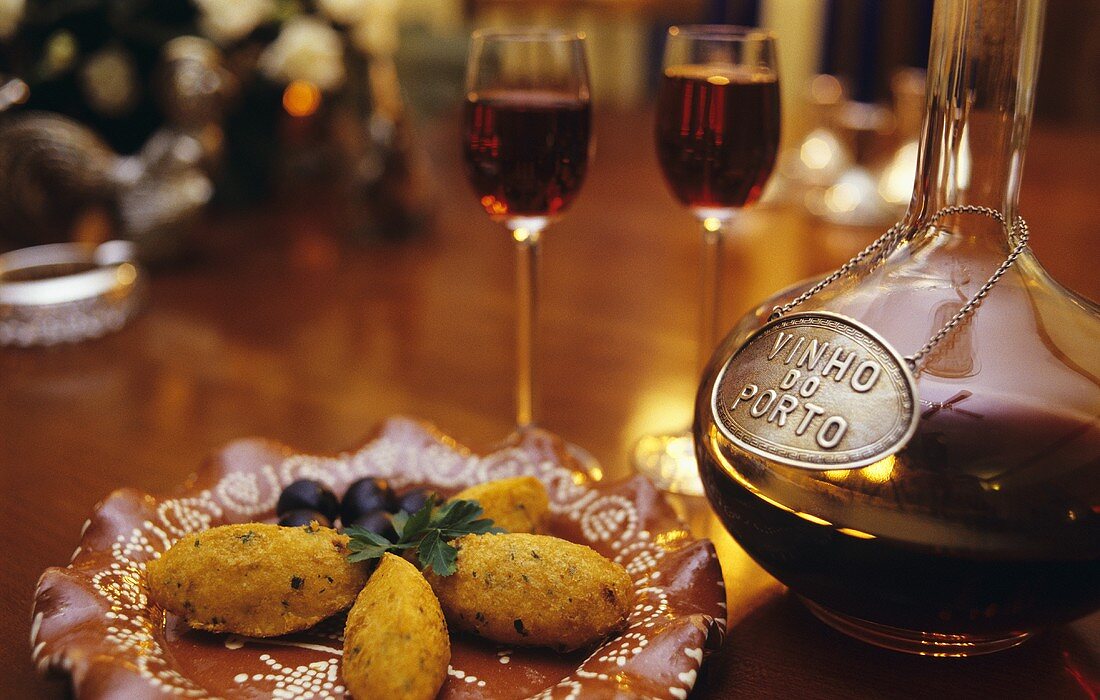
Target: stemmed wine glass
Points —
{"points": [[717, 134], [526, 145]]}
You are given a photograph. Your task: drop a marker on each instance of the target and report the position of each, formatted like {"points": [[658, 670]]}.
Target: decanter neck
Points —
{"points": [[982, 67]]}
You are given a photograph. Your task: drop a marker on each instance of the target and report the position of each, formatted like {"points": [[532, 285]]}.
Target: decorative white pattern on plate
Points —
{"points": [[406, 453]]}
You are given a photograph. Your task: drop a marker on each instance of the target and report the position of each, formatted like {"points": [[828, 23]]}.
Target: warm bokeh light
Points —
{"points": [[670, 538], [301, 98], [816, 153], [810, 518], [879, 472], [963, 165], [896, 183], [842, 197], [664, 408], [712, 224], [858, 534], [126, 273], [826, 89], [494, 205], [671, 458]]}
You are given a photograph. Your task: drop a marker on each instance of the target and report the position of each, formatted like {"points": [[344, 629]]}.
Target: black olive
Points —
{"points": [[379, 522], [413, 500], [366, 496], [307, 494]]}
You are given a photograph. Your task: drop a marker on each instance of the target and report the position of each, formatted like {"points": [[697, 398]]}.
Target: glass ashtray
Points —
{"points": [[67, 292]]}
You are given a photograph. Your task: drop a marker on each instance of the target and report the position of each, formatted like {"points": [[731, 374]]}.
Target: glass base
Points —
{"points": [[913, 642], [585, 460], [669, 461], [588, 463]]}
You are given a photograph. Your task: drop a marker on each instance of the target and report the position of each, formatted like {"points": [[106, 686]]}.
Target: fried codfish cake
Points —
{"points": [[533, 590], [256, 579], [395, 640], [517, 504]]}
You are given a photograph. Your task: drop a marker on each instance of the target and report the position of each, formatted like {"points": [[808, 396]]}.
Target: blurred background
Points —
{"points": [[290, 174], [136, 118]]}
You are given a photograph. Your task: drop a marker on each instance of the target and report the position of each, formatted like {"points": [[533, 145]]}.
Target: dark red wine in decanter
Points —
{"points": [[982, 524]]}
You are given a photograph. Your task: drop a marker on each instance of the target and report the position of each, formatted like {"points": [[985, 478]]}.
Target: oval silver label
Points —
{"points": [[819, 391]]}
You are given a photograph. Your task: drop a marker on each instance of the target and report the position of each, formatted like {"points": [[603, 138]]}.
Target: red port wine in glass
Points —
{"points": [[525, 140], [716, 136], [717, 133], [526, 152]]}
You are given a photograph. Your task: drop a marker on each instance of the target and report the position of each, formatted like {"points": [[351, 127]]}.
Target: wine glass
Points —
{"points": [[526, 130], [717, 134]]}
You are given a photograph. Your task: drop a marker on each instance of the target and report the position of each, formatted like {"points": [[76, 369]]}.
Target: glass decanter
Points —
{"points": [[985, 525]]}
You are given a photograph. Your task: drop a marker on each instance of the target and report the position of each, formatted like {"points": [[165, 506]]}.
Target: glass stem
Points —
{"points": [[983, 66], [711, 289], [527, 257]]}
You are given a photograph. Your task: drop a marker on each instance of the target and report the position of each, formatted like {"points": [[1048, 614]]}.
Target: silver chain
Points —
{"points": [[1018, 231]]}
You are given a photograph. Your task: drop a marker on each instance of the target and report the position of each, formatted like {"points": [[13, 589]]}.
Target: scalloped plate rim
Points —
{"points": [[55, 653]]}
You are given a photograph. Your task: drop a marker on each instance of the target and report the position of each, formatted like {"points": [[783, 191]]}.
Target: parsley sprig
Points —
{"points": [[428, 531]]}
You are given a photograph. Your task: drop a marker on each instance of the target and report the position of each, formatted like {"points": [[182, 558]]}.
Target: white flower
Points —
{"points": [[306, 49], [109, 80], [345, 11], [378, 37], [11, 11], [226, 21]]}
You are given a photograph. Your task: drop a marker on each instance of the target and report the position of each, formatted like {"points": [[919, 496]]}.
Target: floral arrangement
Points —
{"points": [[265, 95], [309, 46], [96, 60]]}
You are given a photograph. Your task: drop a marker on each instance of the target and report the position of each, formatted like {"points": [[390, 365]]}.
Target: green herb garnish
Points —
{"points": [[428, 531]]}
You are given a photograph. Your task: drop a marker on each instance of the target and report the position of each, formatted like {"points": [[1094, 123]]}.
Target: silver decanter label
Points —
{"points": [[819, 391]]}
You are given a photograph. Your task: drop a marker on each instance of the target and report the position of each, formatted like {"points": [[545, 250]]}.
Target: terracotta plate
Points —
{"points": [[93, 621]]}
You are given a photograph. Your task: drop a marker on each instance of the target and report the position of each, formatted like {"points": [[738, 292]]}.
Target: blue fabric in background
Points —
{"points": [[866, 73], [743, 12], [861, 58]]}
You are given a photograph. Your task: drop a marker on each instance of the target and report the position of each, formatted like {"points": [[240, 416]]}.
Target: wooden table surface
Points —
{"points": [[285, 329]]}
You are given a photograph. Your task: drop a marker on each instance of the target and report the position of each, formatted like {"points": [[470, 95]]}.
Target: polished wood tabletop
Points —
{"points": [[283, 327]]}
